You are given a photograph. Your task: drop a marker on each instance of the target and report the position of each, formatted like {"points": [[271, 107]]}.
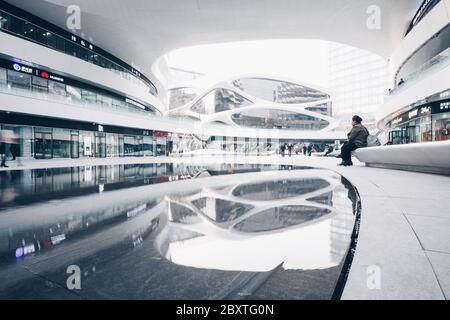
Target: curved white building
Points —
{"points": [[417, 108], [260, 102]]}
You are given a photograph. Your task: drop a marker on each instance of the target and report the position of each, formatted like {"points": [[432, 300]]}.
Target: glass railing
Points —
{"points": [[120, 109], [29, 31], [440, 61]]}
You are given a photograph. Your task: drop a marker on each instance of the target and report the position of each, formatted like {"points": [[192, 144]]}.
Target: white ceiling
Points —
{"points": [[140, 31]]}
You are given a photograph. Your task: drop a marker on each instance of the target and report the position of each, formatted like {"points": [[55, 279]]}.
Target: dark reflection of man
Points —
{"points": [[352, 195]]}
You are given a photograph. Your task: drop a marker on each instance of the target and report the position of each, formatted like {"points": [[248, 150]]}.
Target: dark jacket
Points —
{"points": [[358, 136], [2, 148]]}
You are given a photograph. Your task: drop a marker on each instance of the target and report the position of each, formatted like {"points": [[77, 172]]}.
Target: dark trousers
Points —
{"points": [[346, 151]]}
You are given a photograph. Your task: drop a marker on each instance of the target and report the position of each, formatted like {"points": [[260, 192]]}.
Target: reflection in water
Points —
{"points": [[279, 218], [278, 189], [177, 240]]}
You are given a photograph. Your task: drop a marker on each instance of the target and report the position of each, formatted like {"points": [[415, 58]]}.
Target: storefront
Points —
{"points": [[160, 140], [46, 138], [424, 123]]}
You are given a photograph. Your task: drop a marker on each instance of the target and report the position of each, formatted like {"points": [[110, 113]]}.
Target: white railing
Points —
{"points": [[440, 61]]}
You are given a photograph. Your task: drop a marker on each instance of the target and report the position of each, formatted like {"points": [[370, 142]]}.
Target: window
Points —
{"points": [[39, 84], [441, 126], [4, 20], [19, 80], [71, 49], [73, 93], [104, 100], [88, 96], [41, 36], [16, 25], [57, 88], [29, 31], [61, 143], [2, 76], [55, 42]]}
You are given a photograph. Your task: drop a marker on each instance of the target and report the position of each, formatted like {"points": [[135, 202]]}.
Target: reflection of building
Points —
{"points": [[288, 213], [256, 102], [359, 81]]}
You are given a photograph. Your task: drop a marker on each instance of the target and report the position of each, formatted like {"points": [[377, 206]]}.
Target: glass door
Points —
{"points": [[43, 145], [100, 146], [139, 146], [121, 147], [74, 145]]}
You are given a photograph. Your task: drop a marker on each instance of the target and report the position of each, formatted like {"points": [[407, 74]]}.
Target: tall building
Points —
{"points": [[359, 82]]}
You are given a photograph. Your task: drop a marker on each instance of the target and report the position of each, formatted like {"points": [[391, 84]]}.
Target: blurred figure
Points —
{"points": [[330, 149], [2, 151], [289, 147], [6, 140], [15, 149], [283, 149], [310, 149]]}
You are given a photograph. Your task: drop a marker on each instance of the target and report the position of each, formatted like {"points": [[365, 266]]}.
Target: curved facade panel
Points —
{"points": [[260, 103], [280, 91], [278, 119]]}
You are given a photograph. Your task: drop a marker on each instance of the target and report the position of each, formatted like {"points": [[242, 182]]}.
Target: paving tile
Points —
{"points": [[403, 275], [434, 233], [441, 266]]}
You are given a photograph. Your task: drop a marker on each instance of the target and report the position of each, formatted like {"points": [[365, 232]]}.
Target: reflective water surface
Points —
{"points": [[176, 232]]}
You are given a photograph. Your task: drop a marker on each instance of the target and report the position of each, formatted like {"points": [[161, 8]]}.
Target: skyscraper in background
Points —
{"points": [[359, 82]]}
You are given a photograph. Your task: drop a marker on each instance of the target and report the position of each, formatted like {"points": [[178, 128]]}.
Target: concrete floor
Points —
{"points": [[403, 249]]}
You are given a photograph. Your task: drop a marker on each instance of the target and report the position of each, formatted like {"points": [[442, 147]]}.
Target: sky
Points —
{"points": [[303, 60]]}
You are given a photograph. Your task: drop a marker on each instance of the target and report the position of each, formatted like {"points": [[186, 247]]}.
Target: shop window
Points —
{"points": [[39, 84], [88, 96], [441, 127], [61, 143], [3, 77], [57, 88], [19, 80], [73, 93], [104, 101]]}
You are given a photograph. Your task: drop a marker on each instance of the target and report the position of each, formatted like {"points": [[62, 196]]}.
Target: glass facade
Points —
{"points": [[220, 100], [427, 120], [441, 127], [278, 119], [181, 96], [49, 143], [359, 81], [25, 84], [279, 91], [24, 29]]}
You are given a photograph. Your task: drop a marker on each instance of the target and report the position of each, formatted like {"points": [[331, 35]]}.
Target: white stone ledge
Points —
{"points": [[431, 157]]}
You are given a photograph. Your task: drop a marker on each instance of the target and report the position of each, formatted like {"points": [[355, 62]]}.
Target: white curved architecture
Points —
{"points": [[417, 109], [260, 102], [159, 27]]}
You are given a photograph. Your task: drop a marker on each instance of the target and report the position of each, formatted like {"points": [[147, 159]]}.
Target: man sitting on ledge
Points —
{"points": [[357, 138]]}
